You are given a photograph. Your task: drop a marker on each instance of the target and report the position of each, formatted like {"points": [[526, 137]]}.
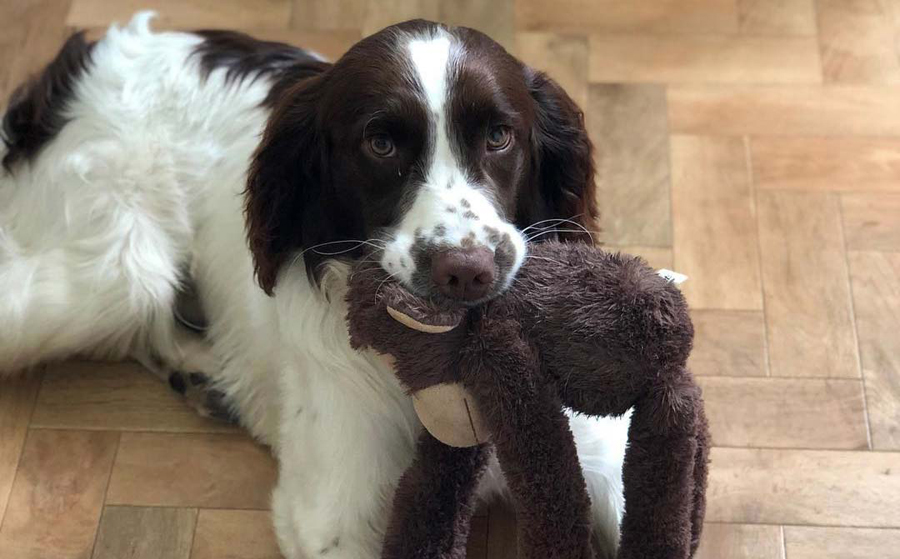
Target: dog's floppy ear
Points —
{"points": [[284, 180], [563, 157]]}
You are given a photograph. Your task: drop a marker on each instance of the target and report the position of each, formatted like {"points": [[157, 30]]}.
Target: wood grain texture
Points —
{"points": [[876, 295], [57, 497], [809, 542], [145, 533], [777, 17], [665, 16], [195, 14], [17, 398], [330, 44], [818, 487], [496, 17], [378, 15], [37, 34], [114, 396], [805, 281], [823, 163], [870, 221], [715, 239], [786, 413], [210, 471], [234, 534], [704, 59], [784, 110], [740, 541], [729, 343], [328, 14], [857, 39], [564, 57], [627, 124]]}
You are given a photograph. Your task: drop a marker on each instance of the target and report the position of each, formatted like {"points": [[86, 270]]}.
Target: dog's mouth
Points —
{"points": [[430, 310]]}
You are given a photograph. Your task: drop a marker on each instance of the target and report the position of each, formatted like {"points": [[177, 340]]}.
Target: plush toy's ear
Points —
{"points": [[285, 178], [563, 156]]}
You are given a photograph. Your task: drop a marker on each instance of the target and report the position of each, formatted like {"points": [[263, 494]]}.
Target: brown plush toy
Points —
{"points": [[597, 332]]}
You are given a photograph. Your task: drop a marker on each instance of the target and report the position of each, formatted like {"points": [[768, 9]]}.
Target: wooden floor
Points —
{"points": [[751, 144]]}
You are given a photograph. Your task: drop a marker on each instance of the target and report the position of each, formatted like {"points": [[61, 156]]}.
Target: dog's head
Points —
{"points": [[428, 148]]}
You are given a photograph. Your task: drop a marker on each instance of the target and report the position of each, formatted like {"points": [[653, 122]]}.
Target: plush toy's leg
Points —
{"points": [[434, 502], [661, 476], [701, 469], [533, 442]]}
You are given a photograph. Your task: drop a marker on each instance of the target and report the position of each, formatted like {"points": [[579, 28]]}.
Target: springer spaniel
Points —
{"points": [[255, 171]]}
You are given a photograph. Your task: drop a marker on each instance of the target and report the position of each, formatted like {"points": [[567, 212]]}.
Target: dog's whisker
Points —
{"points": [[537, 223], [547, 232], [390, 277]]}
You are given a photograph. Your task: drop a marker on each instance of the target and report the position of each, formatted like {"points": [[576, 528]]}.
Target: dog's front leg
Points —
{"points": [[338, 473]]}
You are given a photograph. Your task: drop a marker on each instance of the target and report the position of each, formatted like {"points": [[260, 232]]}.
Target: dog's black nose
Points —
{"points": [[466, 274]]}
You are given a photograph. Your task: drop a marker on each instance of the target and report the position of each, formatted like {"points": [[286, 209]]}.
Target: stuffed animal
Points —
{"points": [[593, 331]]}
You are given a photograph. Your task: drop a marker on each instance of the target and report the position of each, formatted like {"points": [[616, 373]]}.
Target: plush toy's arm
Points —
{"points": [[664, 475], [614, 335], [434, 502], [533, 442]]}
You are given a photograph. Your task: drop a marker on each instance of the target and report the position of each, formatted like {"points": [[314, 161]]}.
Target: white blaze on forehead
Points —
{"points": [[431, 59]]}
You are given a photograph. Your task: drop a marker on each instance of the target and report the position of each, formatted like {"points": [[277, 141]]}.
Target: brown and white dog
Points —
{"points": [[256, 171]]}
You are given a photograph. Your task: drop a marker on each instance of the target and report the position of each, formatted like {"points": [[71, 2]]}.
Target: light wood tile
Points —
{"points": [[330, 44], [57, 497], [564, 57], [40, 30], [807, 296], [379, 15], [235, 534], [704, 59], [820, 487], [785, 413], [876, 295], [192, 14], [729, 343], [666, 16], [156, 469], [777, 17], [477, 546], [715, 240], [114, 396], [784, 111], [496, 18], [627, 124], [740, 541], [808, 542], [327, 15], [823, 163], [871, 221], [16, 402], [656, 257], [857, 38], [145, 533]]}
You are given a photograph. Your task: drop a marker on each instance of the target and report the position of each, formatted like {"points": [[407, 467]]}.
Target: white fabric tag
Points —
{"points": [[673, 277]]}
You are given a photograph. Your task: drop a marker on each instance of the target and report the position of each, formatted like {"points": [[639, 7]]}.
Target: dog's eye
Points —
{"points": [[382, 145], [498, 138]]}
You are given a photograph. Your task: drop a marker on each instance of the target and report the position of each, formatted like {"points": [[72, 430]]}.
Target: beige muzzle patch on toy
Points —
{"points": [[447, 410]]}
